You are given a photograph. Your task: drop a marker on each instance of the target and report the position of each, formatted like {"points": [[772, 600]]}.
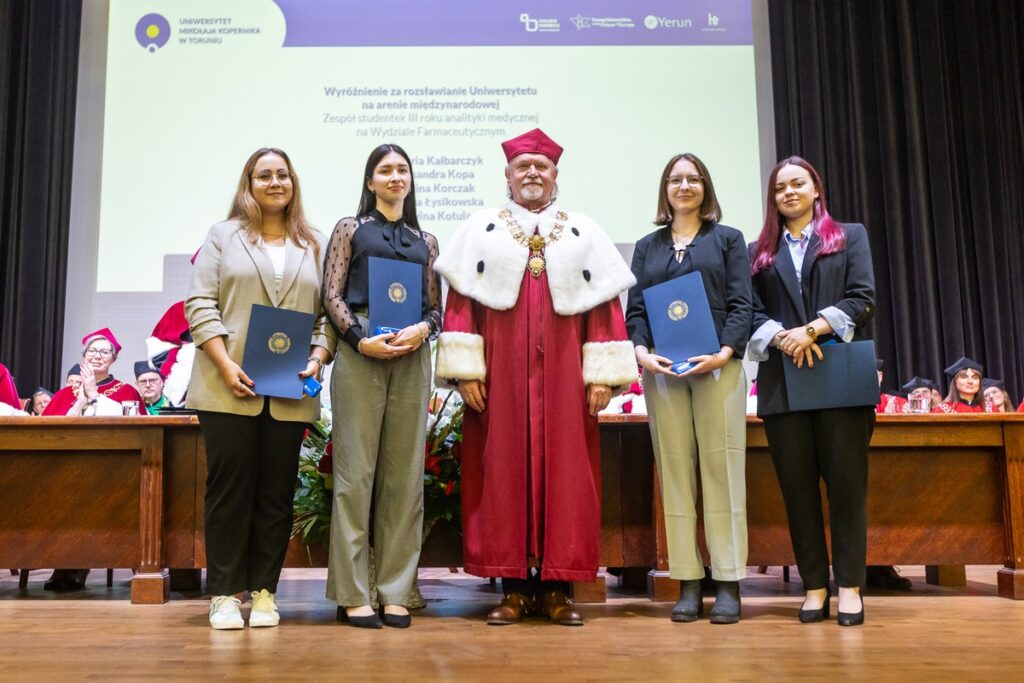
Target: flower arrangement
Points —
{"points": [[441, 472]]}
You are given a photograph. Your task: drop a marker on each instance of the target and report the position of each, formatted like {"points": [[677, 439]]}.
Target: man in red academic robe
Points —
{"points": [[98, 393], [535, 339]]}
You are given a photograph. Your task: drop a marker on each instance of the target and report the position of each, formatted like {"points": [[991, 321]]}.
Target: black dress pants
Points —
{"points": [[832, 445], [251, 466], [532, 586]]}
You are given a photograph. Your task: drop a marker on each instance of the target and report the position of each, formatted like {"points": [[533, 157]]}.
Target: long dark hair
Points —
{"points": [[710, 211], [831, 235], [368, 200]]}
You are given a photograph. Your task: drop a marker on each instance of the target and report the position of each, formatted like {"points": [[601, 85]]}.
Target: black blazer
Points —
{"points": [[845, 280], [719, 254]]}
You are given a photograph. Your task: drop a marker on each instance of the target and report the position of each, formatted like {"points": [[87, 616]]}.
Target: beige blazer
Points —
{"points": [[231, 274]]}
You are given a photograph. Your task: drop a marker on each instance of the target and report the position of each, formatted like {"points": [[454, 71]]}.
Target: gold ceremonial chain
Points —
{"points": [[535, 243]]}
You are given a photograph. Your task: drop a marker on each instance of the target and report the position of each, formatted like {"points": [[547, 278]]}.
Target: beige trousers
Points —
{"points": [[701, 420], [379, 431]]}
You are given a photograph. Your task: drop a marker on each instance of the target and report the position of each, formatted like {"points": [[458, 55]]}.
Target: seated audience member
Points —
{"points": [[38, 401], [151, 387], [171, 351], [996, 395], [919, 387], [8, 392], [99, 393], [964, 389], [887, 403]]}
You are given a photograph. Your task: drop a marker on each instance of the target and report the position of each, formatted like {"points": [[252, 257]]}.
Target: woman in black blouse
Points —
{"points": [[379, 391], [701, 412]]}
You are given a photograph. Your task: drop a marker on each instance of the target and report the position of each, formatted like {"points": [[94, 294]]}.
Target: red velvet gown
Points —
{"points": [[8, 392], [113, 389], [886, 399], [531, 464], [959, 407]]}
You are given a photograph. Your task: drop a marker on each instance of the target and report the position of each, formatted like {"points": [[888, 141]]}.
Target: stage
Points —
{"points": [[932, 633]]}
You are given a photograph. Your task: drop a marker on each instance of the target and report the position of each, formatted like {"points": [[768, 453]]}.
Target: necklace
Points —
{"points": [[535, 243]]}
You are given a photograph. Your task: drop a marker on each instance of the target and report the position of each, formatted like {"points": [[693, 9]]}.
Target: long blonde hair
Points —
{"points": [[245, 209]]}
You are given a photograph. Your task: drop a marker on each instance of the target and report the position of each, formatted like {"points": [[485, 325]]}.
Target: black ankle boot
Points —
{"points": [[727, 603], [690, 605]]}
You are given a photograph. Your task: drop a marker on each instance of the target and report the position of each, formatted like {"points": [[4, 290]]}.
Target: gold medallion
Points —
{"points": [[279, 342], [536, 264], [677, 310], [397, 292], [536, 243]]}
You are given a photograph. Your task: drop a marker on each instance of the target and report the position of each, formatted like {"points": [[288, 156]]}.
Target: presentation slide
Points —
{"points": [[192, 87]]}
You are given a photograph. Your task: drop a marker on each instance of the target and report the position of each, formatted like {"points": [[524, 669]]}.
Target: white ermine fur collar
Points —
{"points": [[483, 262]]}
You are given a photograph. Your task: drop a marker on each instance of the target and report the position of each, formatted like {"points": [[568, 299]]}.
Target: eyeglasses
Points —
{"points": [[691, 180], [102, 353], [147, 382], [267, 177]]}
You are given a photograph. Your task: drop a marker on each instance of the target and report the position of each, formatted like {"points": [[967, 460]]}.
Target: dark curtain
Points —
{"points": [[913, 111], [38, 75]]}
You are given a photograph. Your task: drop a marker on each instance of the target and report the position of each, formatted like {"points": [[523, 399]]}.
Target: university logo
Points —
{"points": [[153, 31]]}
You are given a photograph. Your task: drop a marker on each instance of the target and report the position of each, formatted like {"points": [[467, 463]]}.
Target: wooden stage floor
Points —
{"points": [[963, 634]]}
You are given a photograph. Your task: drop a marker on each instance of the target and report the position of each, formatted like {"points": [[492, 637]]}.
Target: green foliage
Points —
{"points": [[441, 477]]}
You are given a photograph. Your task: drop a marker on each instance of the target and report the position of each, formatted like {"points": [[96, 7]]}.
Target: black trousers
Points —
{"points": [[829, 444], [251, 467], [532, 586]]}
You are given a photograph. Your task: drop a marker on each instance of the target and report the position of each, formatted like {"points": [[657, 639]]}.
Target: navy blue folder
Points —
{"points": [[680, 318], [845, 378], [396, 293], [276, 350]]}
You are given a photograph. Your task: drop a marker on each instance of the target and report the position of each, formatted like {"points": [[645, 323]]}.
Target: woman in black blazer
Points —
{"points": [[703, 409], [813, 283]]}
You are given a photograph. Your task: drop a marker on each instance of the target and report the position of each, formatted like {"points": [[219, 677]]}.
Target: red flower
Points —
{"points": [[329, 449], [305, 435], [326, 464], [427, 448], [449, 488], [433, 465]]}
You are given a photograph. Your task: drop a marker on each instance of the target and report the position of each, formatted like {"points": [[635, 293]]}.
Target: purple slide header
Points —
{"points": [[362, 23]]}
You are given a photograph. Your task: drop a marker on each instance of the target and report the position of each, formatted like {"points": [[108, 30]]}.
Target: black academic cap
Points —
{"points": [[919, 383], [142, 367], [76, 369], [990, 382], [964, 363], [879, 363]]}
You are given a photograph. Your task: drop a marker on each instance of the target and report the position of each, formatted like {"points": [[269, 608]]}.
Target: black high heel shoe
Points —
{"points": [[369, 621], [812, 616], [852, 618], [395, 620]]}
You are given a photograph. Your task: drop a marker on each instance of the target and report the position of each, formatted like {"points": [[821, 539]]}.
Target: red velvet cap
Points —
{"points": [[534, 142], [106, 334]]}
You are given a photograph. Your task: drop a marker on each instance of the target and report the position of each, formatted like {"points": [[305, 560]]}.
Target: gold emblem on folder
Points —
{"points": [[677, 310], [397, 293], [279, 342]]}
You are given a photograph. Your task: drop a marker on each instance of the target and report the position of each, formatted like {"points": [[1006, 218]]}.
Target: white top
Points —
{"points": [[276, 254]]}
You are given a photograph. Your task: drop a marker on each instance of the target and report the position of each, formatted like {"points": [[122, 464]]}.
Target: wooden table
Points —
{"points": [[128, 492]]}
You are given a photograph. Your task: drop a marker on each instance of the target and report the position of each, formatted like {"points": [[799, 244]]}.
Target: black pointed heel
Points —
{"points": [[812, 616], [852, 618]]}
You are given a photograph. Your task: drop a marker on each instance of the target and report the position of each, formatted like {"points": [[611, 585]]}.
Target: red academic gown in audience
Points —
{"points": [[114, 389], [961, 407], [886, 399], [8, 392]]}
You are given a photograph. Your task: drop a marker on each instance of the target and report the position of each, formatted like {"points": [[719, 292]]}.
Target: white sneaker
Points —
{"points": [[224, 613], [264, 609]]}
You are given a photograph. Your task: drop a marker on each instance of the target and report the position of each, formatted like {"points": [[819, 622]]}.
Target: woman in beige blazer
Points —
{"points": [[266, 254]]}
